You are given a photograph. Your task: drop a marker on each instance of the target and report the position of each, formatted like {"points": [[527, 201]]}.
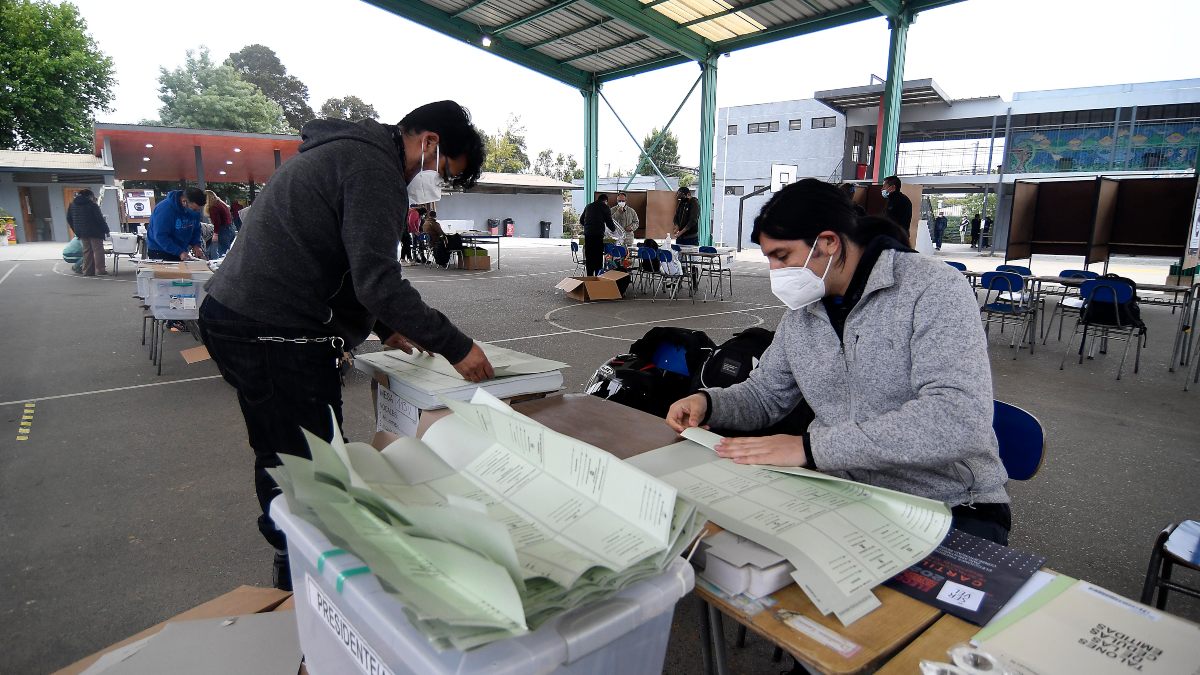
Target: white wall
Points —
{"points": [[526, 210], [53, 206]]}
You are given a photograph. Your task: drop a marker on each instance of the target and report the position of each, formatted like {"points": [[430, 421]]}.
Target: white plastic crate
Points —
{"points": [[175, 298], [124, 243], [363, 629]]}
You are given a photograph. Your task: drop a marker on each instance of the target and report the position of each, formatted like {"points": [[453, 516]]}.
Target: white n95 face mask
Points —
{"points": [[799, 287], [426, 186]]}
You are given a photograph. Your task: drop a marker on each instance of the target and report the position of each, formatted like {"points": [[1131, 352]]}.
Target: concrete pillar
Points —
{"points": [[200, 168]]}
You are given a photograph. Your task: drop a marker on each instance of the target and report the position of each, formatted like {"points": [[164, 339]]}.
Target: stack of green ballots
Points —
{"points": [[491, 524]]}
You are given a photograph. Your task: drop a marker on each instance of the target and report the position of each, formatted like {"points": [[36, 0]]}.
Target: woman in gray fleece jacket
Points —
{"points": [[887, 348]]}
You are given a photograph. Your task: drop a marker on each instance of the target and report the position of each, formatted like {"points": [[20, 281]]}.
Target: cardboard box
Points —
{"points": [[475, 262], [609, 286]]}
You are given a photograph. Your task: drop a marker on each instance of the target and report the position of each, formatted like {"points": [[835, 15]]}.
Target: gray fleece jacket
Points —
{"points": [[906, 404]]}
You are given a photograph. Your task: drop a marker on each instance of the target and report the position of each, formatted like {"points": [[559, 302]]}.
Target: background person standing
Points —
{"points": [[687, 218], [175, 226], [89, 224], [899, 207], [596, 220], [939, 230], [626, 219]]}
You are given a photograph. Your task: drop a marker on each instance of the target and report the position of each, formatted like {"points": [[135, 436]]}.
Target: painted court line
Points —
{"points": [[10, 271], [585, 331], [106, 391]]}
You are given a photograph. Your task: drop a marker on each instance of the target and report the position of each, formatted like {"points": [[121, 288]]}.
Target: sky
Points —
{"points": [[341, 47]]}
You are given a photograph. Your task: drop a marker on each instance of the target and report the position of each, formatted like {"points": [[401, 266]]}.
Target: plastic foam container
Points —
{"points": [[362, 629]]}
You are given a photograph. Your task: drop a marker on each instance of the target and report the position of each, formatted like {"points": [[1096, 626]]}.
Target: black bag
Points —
{"points": [[678, 350], [1105, 313], [454, 242], [650, 265], [735, 358], [636, 382]]}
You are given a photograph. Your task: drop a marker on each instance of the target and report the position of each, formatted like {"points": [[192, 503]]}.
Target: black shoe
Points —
{"points": [[281, 572]]}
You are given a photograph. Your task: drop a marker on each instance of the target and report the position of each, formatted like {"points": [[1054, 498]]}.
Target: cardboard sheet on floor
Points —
{"points": [[607, 286], [195, 354], [230, 645]]}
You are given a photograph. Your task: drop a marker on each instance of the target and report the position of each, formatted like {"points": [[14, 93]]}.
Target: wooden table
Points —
{"points": [[612, 427], [931, 646]]}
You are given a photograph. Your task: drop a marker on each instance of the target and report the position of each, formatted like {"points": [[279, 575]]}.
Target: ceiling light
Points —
{"points": [[145, 159], [229, 161], [145, 170], [149, 145], [487, 40], [221, 172], [237, 149]]}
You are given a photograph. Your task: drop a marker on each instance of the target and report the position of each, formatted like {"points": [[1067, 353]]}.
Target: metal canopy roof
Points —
{"points": [[576, 41], [914, 92]]}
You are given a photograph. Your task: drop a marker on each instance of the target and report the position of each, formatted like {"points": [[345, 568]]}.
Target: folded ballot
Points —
{"points": [[491, 523]]}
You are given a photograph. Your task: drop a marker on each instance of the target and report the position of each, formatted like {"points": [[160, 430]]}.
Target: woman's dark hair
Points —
{"points": [[458, 137], [806, 208]]}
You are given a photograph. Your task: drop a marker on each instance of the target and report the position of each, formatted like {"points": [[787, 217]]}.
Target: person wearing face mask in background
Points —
{"points": [[899, 207], [626, 219], [687, 218], [886, 347], [317, 271]]}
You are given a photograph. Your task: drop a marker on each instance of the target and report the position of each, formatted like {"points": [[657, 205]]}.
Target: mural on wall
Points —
{"points": [[1150, 146]]}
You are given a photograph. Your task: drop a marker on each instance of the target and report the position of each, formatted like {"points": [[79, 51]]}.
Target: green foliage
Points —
{"points": [[350, 108], [202, 95], [260, 66], [53, 77], [560, 166], [686, 180], [666, 155], [972, 203], [506, 151]]}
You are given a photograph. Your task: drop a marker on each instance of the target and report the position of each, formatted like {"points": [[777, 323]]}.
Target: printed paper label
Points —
{"points": [[364, 657], [964, 596]]}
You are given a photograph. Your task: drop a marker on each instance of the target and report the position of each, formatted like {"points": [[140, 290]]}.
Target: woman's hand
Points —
{"points": [[777, 450], [687, 412]]}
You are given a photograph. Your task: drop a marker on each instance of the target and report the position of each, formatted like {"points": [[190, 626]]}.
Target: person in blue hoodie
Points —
{"points": [[175, 226]]}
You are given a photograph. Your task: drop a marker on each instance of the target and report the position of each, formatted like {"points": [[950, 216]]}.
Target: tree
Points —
{"points": [[53, 77], [350, 108], [560, 166], [667, 153], [206, 96], [506, 149], [260, 66]]}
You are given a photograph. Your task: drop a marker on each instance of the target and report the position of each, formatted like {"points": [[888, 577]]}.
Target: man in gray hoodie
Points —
{"points": [[315, 270]]}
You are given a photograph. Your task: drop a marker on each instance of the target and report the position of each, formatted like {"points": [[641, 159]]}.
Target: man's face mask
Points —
{"points": [[799, 287], [621, 203], [426, 186]]}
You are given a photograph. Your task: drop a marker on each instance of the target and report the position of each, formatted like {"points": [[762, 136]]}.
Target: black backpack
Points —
{"points": [[662, 367], [735, 358], [677, 350], [1106, 313]]}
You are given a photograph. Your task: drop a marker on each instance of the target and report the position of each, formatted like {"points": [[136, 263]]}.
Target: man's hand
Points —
{"points": [[398, 341], [198, 252], [475, 366], [777, 450], [687, 412]]}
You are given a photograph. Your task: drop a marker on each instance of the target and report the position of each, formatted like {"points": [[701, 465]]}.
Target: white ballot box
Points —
{"points": [[349, 624]]}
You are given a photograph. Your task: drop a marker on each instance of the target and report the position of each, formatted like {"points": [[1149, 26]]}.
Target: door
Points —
{"points": [[27, 221], [68, 193]]}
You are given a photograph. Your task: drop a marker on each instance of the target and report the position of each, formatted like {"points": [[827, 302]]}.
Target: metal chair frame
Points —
{"points": [[1162, 564], [1105, 290], [1004, 296]]}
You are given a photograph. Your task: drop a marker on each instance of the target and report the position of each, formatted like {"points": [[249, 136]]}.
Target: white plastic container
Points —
{"points": [[124, 243], [175, 298], [363, 629]]}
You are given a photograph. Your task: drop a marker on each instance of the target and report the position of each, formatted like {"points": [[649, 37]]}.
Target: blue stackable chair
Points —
{"points": [[1022, 440], [576, 257], [1177, 544], [717, 273], [957, 265], [1094, 292], [665, 258], [1071, 301], [1016, 269], [1005, 301]]}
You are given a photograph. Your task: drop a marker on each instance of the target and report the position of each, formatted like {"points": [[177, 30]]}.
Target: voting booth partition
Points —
{"points": [[1098, 217]]}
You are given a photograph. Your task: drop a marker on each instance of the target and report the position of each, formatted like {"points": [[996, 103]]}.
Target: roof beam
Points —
{"points": [[656, 26], [801, 27], [468, 8], [460, 29], [582, 29], [550, 9], [726, 12], [643, 67], [888, 8], [608, 48]]}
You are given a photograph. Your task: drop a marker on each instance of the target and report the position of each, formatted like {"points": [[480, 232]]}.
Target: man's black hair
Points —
{"points": [[458, 137], [602, 197], [621, 193], [894, 181], [195, 195], [85, 192]]}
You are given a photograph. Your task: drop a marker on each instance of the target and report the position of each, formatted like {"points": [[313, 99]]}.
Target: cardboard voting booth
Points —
{"points": [[608, 286]]}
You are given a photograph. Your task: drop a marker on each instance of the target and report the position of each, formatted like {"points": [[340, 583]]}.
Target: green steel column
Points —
{"points": [[892, 91], [591, 143], [708, 127]]}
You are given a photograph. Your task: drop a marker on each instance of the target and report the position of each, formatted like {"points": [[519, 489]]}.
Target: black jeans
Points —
{"points": [[593, 254], [281, 387]]}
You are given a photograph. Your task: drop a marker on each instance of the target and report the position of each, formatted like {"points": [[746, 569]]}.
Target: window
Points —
{"points": [[795, 125], [762, 127], [732, 131], [824, 122], [735, 190], [759, 187]]}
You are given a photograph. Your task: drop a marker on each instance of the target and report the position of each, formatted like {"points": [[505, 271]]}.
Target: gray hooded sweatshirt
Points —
{"points": [[905, 404]]}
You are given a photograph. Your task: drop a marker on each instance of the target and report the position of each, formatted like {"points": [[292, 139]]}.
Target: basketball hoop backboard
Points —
{"points": [[782, 174]]}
